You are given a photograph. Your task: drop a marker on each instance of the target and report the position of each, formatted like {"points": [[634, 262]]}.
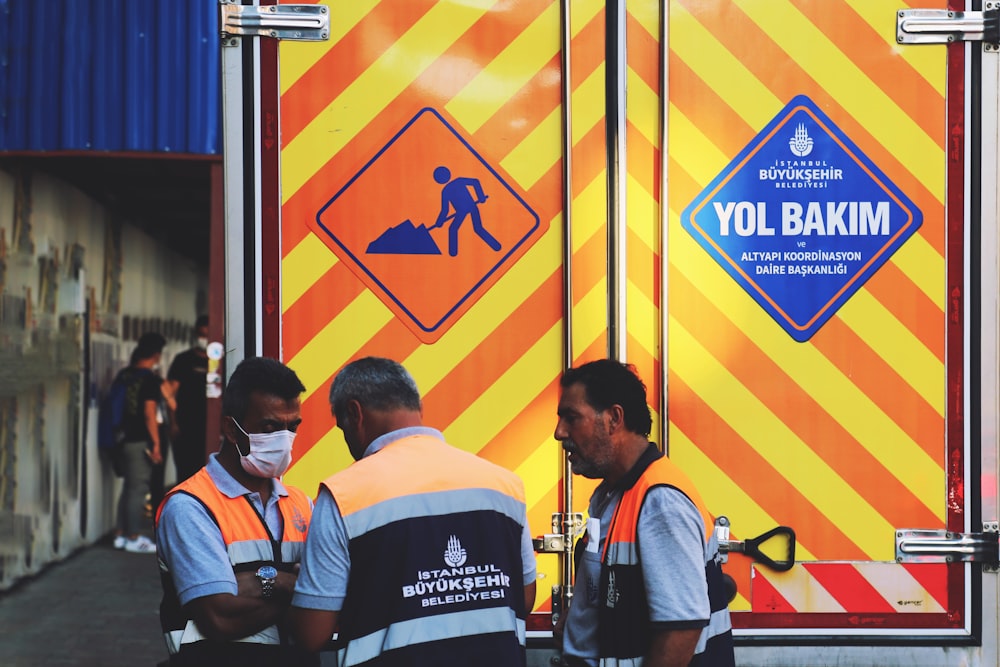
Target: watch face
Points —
{"points": [[267, 572]]}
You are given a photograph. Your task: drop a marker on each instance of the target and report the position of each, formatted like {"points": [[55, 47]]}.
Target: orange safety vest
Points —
{"points": [[624, 628], [250, 545]]}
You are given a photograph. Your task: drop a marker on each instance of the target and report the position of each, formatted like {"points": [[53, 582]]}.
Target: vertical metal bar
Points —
{"points": [[252, 183], [989, 317], [989, 282], [233, 168], [566, 38], [269, 222], [615, 76], [664, 226], [216, 294]]}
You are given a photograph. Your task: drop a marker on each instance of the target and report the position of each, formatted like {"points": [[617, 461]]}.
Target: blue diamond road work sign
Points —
{"points": [[801, 218]]}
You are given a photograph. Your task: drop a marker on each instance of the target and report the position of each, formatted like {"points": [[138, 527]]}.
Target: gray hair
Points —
{"points": [[374, 382]]}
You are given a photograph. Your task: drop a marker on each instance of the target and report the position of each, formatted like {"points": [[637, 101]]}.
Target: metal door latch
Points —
{"points": [[941, 26], [751, 546], [944, 546], [560, 540], [300, 23]]}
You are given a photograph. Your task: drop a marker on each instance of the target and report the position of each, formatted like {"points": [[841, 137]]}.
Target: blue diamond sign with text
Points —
{"points": [[801, 218]]}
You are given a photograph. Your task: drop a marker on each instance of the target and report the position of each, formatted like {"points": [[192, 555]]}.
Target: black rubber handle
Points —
{"points": [[751, 547]]}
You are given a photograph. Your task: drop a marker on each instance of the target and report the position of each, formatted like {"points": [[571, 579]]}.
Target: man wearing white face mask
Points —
{"points": [[230, 537]]}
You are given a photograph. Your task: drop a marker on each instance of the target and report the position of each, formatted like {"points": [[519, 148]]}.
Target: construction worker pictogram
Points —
{"points": [[415, 196], [455, 195], [408, 239]]}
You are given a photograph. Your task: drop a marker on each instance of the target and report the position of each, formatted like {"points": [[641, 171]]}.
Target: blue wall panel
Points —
{"points": [[4, 64], [18, 59], [109, 75], [204, 85], [40, 112], [170, 100], [73, 72], [107, 78]]}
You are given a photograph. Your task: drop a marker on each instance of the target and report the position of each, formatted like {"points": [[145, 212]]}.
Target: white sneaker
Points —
{"points": [[140, 545], [120, 541]]}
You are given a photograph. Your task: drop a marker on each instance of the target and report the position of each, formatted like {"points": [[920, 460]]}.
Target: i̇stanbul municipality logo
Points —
{"points": [[454, 555], [801, 144]]}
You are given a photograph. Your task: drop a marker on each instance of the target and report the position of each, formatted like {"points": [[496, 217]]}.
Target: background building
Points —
{"points": [[109, 148]]}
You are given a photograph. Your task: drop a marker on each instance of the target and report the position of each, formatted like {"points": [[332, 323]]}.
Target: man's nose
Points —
{"points": [[560, 433]]}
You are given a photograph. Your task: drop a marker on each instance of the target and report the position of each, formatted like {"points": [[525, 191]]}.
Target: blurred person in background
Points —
{"points": [[141, 446], [186, 381]]}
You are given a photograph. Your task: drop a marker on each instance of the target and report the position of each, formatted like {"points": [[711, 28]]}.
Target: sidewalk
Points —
{"points": [[99, 607]]}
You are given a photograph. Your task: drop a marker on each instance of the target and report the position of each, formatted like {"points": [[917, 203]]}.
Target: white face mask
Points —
{"points": [[202, 343], [270, 453]]}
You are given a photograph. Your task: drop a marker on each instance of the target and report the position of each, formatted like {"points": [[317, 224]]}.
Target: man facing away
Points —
{"points": [[419, 553], [230, 537], [648, 587]]}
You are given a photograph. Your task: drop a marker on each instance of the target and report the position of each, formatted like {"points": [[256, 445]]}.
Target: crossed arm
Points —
{"points": [[225, 617]]}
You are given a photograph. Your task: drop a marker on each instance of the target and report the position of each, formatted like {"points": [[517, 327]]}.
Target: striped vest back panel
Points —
{"points": [[436, 570]]}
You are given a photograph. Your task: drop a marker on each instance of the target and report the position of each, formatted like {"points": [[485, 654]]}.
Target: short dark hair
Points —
{"points": [[150, 344], [260, 375], [374, 382], [608, 382], [202, 321]]}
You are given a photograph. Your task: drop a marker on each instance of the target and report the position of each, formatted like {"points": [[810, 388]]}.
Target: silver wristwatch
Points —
{"points": [[267, 575]]}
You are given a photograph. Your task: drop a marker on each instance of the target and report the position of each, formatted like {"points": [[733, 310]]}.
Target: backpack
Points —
{"points": [[114, 408]]}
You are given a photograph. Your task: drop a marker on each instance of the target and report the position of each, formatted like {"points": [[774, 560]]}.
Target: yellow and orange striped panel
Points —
{"points": [[841, 437], [643, 142], [493, 68]]}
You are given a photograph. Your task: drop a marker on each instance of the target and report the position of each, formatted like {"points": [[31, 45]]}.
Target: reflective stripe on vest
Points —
{"points": [[621, 662], [367, 519], [191, 634], [247, 540], [430, 629], [457, 520], [355, 490]]}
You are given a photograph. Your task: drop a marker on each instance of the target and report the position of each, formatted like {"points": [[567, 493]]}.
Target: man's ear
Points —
{"points": [[616, 418], [229, 432], [362, 418], [232, 434], [353, 412]]}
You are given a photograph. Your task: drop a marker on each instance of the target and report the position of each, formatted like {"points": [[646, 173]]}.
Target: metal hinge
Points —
{"points": [[564, 528], [299, 23], [941, 26], [944, 546]]}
